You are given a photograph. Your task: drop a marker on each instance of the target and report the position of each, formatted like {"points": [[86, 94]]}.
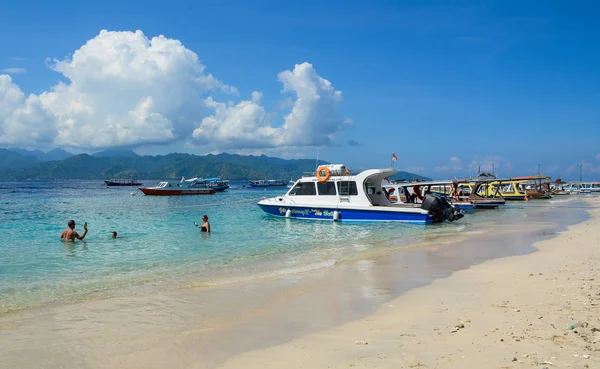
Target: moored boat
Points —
{"points": [[334, 194], [510, 190], [268, 183], [414, 193], [215, 183], [122, 182], [177, 189], [462, 193], [474, 190]]}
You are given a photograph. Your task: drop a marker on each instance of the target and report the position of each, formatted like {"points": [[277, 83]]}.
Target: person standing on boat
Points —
{"points": [[70, 234], [205, 227]]}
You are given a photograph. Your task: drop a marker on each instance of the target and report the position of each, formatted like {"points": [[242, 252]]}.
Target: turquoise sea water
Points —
{"points": [[159, 246]]}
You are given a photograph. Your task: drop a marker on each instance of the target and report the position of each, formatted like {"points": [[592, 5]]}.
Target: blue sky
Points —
{"points": [[448, 86]]}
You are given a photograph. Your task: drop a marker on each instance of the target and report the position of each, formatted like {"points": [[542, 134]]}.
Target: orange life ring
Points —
{"points": [[323, 177]]}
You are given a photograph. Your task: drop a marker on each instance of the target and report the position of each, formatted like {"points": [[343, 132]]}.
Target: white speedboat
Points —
{"points": [[334, 194]]}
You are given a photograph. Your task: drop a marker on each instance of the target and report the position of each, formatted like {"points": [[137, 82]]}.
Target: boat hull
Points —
{"points": [[514, 198], [487, 205], [219, 188], [464, 206], [356, 215], [181, 192], [115, 184]]}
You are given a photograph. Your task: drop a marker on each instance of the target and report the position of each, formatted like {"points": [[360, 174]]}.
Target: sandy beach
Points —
{"points": [[480, 297], [535, 310]]}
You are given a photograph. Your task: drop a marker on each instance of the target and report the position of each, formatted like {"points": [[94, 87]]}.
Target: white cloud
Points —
{"points": [[454, 165], [245, 125], [23, 119], [14, 70], [312, 121], [415, 169], [590, 168], [123, 89], [489, 164], [256, 96]]}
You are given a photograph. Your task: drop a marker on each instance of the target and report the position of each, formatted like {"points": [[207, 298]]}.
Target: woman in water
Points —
{"points": [[205, 227]]}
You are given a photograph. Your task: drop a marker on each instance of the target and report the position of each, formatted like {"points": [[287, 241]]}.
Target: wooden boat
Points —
{"points": [[519, 188], [475, 190], [463, 193], [509, 189], [558, 188], [536, 187], [177, 189], [122, 182]]}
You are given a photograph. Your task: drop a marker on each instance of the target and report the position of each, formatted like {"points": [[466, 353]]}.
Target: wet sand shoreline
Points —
{"points": [[540, 309], [183, 329]]}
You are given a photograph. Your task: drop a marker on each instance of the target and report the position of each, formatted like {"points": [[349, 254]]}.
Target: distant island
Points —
{"points": [[19, 164]]}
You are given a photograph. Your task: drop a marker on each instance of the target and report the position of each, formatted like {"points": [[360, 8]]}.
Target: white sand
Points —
{"points": [[516, 313]]}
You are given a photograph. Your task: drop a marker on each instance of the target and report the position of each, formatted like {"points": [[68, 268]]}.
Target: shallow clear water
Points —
{"points": [[159, 246], [158, 243], [150, 298]]}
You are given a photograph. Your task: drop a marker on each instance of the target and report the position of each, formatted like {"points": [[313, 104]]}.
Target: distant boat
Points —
{"points": [[177, 189], [268, 183], [122, 182], [215, 183]]}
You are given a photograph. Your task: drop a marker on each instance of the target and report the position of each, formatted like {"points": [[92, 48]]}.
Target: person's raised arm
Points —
{"points": [[84, 233]]}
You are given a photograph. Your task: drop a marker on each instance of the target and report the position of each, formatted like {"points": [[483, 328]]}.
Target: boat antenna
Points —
{"points": [[317, 161], [581, 172], [539, 170]]}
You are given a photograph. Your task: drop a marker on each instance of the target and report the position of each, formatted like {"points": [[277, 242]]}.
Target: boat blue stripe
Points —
{"points": [[346, 214]]}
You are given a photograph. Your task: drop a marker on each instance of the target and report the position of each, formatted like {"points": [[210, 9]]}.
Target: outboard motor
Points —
{"points": [[439, 209]]}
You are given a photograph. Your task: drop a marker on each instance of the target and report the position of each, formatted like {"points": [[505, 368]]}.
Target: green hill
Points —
{"points": [[10, 159], [84, 166]]}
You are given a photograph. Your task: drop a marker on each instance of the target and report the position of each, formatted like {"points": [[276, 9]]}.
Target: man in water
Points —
{"points": [[113, 235], [69, 234]]}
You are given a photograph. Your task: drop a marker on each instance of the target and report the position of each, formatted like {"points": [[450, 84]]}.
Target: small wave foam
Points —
{"points": [[270, 274], [560, 201]]}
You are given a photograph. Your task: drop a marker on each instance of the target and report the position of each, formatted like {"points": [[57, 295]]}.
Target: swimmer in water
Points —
{"points": [[69, 234], [205, 227]]}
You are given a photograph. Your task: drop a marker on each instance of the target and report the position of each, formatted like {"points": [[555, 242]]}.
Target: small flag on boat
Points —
{"points": [[394, 157]]}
